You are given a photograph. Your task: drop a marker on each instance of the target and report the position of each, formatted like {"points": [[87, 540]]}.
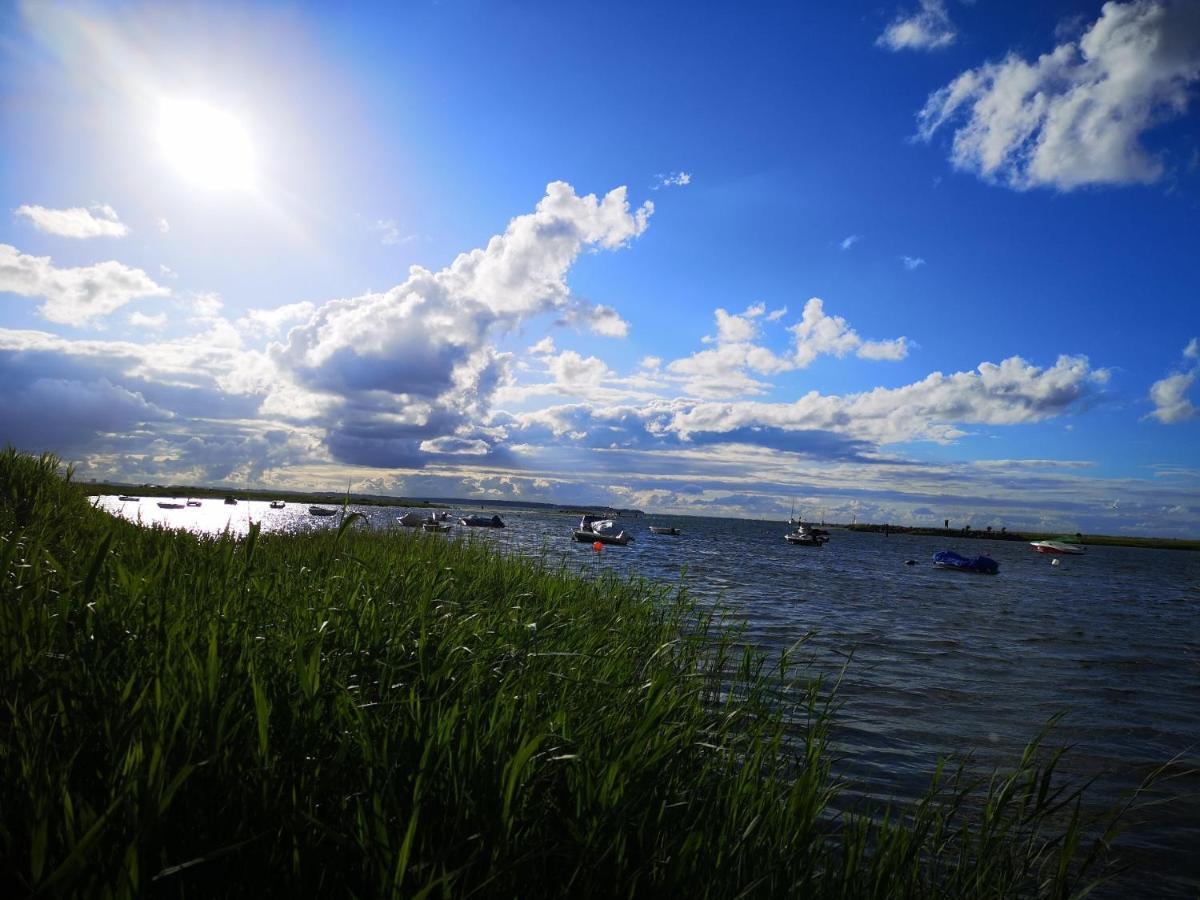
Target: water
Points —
{"points": [[942, 662]]}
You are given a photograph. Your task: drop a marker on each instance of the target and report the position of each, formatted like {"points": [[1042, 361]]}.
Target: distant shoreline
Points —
{"points": [[327, 497]]}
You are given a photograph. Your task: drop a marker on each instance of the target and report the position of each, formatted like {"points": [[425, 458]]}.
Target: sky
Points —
{"points": [[880, 262]]}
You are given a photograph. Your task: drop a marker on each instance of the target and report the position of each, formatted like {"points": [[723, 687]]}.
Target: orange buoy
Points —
{"points": [[597, 546]]}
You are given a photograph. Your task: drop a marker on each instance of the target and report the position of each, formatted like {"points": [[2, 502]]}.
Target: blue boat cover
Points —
{"points": [[948, 559]]}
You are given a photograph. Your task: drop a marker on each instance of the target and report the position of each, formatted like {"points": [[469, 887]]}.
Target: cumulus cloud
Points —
{"points": [[270, 322], [671, 179], [98, 221], [927, 28], [389, 233], [74, 296], [820, 334], [389, 371], [1169, 395], [1011, 392], [1075, 116], [724, 371], [148, 322]]}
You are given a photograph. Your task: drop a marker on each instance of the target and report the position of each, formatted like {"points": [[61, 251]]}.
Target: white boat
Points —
{"points": [[592, 530], [806, 536], [480, 521], [440, 527], [664, 529], [193, 503], [1057, 547], [411, 520], [165, 505], [125, 498]]}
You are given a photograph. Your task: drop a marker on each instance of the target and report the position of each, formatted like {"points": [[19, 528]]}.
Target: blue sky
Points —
{"points": [[893, 261]]}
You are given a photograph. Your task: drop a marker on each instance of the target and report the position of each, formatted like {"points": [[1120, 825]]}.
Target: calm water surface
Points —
{"points": [[942, 662]]}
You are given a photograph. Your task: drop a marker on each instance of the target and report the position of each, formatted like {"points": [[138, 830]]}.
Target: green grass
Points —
{"points": [[349, 713]]}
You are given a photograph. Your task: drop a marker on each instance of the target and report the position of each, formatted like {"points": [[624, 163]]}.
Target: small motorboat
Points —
{"points": [[592, 530], [125, 498], [277, 504], [165, 505], [231, 501], [948, 559], [193, 503], [806, 536], [664, 529], [1057, 547], [321, 511], [437, 527], [411, 520], [804, 539], [478, 521]]}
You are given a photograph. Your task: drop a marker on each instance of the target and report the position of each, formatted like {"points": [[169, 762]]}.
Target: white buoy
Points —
{"points": [[1056, 562]]}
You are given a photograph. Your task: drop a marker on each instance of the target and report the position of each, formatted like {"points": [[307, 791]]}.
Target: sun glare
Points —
{"points": [[207, 145]]}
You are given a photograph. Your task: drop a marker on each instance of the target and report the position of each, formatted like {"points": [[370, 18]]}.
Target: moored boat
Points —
{"points": [[231, 501], [478, 521], [126, 498], [321, 511], [436, 527], [277, 504], [948, 559], [664, 529], [411, 520], [193, 503], [592, 530], [167, 505], [1057, 547]]}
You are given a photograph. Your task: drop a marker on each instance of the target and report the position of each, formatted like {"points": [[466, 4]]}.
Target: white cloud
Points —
{"points": [[164, 226], [1169, 395], [389, 370], [849, 241], [1076, 115], [166, 271], [928, 28], [607, 322], [270, 322], [912, 262], [672, 179], [819, 334], [148, 322], [544, 347], [389, 233], [724, 371], [1012, 392], [776, 314], [74, 296], [76, 222]]}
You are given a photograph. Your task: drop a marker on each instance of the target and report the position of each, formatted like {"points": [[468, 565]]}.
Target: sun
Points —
{"points": [[207, 145]]}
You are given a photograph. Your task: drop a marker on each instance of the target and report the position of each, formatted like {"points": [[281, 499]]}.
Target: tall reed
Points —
{"points": [[349, 713]]}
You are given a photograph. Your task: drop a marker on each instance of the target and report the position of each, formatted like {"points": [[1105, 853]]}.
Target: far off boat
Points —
{"points": [[162, 504], [125, 498], [1059, 547], [664, 529], [321, 511], [277, 504], [594, 530], [807, 536]]}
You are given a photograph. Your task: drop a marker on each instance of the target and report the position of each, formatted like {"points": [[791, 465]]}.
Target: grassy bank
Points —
{"points": [[349, 713]]}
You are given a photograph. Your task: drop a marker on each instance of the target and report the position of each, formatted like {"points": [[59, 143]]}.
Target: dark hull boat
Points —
{"points": [[948, 559]]}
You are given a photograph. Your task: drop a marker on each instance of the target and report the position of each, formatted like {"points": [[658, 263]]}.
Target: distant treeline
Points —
{"points": [[1153, 543]]}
